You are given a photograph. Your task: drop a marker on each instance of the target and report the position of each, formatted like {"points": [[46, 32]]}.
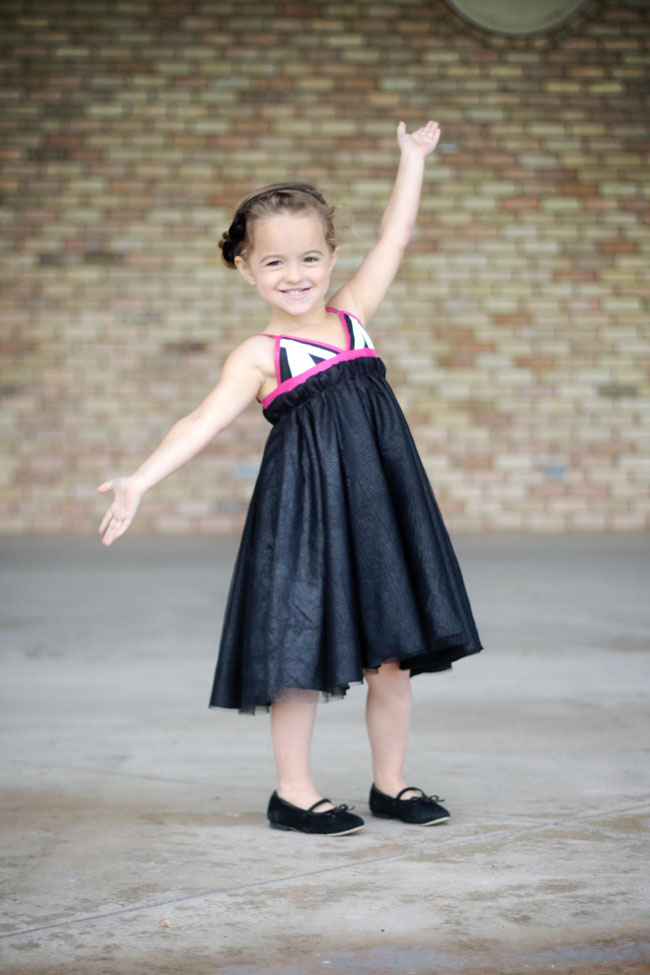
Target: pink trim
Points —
{"points": [[331, 308], [325, 345], [348, 333], [346, 330], [276, 357], [320, 367], [344, 315]]}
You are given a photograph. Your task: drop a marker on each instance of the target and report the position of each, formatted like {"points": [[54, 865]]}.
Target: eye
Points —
{"points": [[312, 259], [272, 264]]}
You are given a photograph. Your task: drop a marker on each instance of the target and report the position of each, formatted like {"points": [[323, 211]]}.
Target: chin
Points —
{"points": [[299, 307]]}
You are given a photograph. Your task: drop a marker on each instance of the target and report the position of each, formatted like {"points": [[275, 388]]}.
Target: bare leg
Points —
{"points": [[388, 719], [292, 726]]}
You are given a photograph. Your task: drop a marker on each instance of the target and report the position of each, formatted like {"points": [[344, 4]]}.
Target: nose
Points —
{"points": [[293, 272]]}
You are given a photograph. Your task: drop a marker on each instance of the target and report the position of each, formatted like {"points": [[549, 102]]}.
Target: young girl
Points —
{"points": [[345, 568]]}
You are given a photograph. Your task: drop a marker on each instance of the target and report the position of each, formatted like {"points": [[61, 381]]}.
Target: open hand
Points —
{"points": [[120, 514], [422, 141]]}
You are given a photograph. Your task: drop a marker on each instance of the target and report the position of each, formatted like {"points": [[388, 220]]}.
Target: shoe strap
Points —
{"points": [[409, 788], [336, 809], [420, 798], [317, 804]]}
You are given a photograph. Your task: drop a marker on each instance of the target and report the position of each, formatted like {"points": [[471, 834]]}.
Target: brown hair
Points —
{"points": [[274, 198]]}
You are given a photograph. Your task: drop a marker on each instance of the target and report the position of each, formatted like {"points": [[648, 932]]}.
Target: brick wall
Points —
{"points": [[516, 336]]}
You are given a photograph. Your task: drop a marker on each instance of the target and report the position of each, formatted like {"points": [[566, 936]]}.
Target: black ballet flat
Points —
{"points": [[419, 810], [333, 822]]}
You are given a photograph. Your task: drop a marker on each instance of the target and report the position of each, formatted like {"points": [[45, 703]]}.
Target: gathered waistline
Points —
{"points": [[295, 381], [354, 371]]}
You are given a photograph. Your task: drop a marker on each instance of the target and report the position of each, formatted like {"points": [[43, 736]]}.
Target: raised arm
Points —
{"points": [[364, 292], [240, 381]]}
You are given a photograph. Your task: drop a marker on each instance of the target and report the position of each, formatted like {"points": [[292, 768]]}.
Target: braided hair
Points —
{"points": [[274, 198]]}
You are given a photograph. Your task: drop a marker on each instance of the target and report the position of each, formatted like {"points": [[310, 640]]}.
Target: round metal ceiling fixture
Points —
{"points": [[517, 17]]}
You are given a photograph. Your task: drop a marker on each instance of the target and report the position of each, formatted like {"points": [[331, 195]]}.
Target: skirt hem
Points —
{"points": [[417, 663]]}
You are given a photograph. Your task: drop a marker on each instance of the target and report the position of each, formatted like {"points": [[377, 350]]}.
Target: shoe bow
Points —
{"points": [[342, 808], [328, 812]]}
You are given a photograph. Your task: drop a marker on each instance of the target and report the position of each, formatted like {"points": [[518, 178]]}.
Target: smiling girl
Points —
{"points": [[345, 570]]}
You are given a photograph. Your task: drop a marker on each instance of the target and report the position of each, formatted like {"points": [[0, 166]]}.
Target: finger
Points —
{"points": [[105, 520], [111, 534], [112, 515], [106, 486], [401, 129], [432, 136]]}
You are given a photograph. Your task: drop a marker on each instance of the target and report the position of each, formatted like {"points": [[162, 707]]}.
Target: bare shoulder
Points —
{"points": [[255, 352]]}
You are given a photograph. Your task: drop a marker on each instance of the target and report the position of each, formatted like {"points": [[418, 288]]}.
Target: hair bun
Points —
{"points": [[233, 238], [227, 249]]}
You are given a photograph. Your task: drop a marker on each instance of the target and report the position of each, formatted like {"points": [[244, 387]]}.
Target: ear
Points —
{"points": [[244, 270], [334, 256]]}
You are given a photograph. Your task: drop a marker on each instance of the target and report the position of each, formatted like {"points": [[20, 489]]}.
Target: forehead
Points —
{"points": [[282, 232]]}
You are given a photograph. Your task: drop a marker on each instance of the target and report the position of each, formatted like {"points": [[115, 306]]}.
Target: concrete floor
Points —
{"points": [[134, 836]]}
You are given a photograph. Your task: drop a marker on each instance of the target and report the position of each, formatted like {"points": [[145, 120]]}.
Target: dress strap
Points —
{"points": [[341, 313]]}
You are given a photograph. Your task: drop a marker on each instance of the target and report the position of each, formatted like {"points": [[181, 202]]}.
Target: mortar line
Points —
{"points": [[216, 892]]}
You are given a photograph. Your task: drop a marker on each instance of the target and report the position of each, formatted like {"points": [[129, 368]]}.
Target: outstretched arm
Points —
{"points": [[240, 382], [364, 292]]}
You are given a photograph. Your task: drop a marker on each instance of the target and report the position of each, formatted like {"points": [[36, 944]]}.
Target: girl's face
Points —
{"points": [[290, 262]]}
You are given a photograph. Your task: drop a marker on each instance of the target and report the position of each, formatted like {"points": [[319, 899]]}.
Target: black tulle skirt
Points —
{"points": [[344, 561]]}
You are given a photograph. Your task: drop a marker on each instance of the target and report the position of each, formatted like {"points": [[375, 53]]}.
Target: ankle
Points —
{"points": [[390, 785], [303, 796]]}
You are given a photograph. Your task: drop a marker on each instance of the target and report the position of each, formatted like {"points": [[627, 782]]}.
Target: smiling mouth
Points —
{"points": [[296, 292]]}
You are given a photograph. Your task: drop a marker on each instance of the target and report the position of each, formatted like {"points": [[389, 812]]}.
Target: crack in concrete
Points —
{"points": [[505, 836]]}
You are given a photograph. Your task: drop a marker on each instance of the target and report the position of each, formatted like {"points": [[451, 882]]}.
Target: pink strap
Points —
{"points": [[339, 313]]}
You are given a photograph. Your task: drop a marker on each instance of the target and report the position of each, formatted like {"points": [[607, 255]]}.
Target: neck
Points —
{"points": [[314, 318]]}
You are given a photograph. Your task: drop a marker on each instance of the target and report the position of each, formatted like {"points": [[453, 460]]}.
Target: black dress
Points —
{"points": [[344, 562]]}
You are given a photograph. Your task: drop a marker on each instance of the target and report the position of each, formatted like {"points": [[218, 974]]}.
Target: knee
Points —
{"points": [[390, 681]]}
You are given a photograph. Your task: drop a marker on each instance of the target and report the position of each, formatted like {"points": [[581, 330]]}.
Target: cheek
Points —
{"points": [[266, 279]]}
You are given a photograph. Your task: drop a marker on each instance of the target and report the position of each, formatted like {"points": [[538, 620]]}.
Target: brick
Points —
{"points": [[522, 300], [560, 204]]}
